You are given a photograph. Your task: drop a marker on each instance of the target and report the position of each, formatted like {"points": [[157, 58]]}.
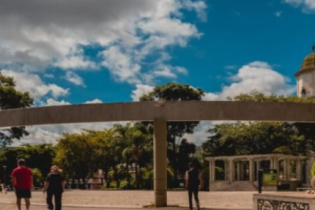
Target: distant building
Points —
{"points": [[306, 77]]}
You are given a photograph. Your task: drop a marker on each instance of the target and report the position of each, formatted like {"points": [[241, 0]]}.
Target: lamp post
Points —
{"points": [[4, 175]]}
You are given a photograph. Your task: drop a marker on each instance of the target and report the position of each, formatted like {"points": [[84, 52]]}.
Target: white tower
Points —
{"points": [[306, 77]]}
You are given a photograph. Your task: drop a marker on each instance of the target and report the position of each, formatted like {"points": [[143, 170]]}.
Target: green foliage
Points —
{"points": [[36, 156], [242, 138], [260, 97], [10, 98], [313, 169], [38, 178]]}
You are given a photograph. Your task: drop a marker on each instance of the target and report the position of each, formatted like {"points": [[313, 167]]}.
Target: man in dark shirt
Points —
{"points": [[193, 181], [22, 181]]}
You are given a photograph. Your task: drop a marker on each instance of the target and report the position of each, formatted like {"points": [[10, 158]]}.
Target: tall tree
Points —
{"points": [[75, 155], [10, 98], [175, 130], [261, 137]]}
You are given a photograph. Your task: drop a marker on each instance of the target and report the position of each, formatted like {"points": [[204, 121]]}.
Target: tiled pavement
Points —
{"points": [[41, 207]]}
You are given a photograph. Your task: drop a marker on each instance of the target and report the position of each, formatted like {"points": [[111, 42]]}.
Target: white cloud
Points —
{"points": [[33, 84], [308, 6], [200, 133], [74, 78], [168, 71], [121, 65], [75, 62], [199, 7], [53, 102], [278, 14], [49, 75], [140, 91], [95, 101], [257, 76], [53, 32], [51, 133]]}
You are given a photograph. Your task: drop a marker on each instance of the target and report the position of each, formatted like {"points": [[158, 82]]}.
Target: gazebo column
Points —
{"points": [[251, 170], [271, 162], [299, 169], [276, 164], [285, 169], [160, 162], [231, 167], [226, 170], [289, 169], [212, 169], [238, 170]]}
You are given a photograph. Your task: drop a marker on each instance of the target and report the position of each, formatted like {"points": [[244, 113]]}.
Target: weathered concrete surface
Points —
{"points": [[129, 199], [171, 111]]}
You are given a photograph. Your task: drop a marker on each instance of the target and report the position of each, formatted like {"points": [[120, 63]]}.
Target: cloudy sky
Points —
{"points": [[100, 51]]}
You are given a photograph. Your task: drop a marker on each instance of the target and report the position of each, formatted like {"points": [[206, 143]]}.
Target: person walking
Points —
{"points": [[193, 182], [22, 181], [54, 186]]}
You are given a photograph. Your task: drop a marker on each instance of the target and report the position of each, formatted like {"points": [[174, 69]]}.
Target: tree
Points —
{"points": [[10, 98], [175, 130], [138, 147], [185, 150], [252, 138], [261, 137], [36, 156], [75, 154]]}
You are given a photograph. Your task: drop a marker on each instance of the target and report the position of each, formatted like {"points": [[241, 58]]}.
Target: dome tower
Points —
{"points": [[306, 76]]}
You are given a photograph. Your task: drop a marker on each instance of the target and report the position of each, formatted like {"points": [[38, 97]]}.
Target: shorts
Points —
{"points": [[23, 193]]}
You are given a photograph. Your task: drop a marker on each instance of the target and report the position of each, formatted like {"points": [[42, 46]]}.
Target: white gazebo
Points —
{"points": [[240, 172]]}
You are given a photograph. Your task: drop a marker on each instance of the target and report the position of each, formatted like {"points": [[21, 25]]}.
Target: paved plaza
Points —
{"points": [[78, 199]]}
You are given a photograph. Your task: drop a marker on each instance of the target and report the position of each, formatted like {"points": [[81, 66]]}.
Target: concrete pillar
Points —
{"points": [[271, 162], [298, 169], [276, 164], [231, 166], [212, 170], [160, 162], [251, 170], [241, 170], [238, 170], [289, 169], [226, 170], [285, 169]]}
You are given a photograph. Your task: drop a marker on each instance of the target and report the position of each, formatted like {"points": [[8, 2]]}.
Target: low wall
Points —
{"points": [[278, 201]]}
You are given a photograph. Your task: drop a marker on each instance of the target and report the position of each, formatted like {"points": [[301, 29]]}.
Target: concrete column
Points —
{"points": [[226, 170], [298, 169], [285, 169], [251, 170], [238, 170], [289, 169], [231, 166], [160, 162], [276, 164], [212, 170], [271, 162]]}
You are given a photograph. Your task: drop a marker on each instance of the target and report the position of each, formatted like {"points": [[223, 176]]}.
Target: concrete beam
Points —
{"points": [[171, 111]]}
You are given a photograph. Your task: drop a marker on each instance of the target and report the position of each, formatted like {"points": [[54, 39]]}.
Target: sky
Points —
{"points": [[105, 51]]}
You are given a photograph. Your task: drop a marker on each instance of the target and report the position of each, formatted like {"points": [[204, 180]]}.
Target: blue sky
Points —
{"points": [[76, 51]]}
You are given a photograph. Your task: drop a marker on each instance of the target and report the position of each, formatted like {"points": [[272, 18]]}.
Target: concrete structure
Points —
{"points": [[284, 201], [160, 113], [306, 77], [244, 168]]}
